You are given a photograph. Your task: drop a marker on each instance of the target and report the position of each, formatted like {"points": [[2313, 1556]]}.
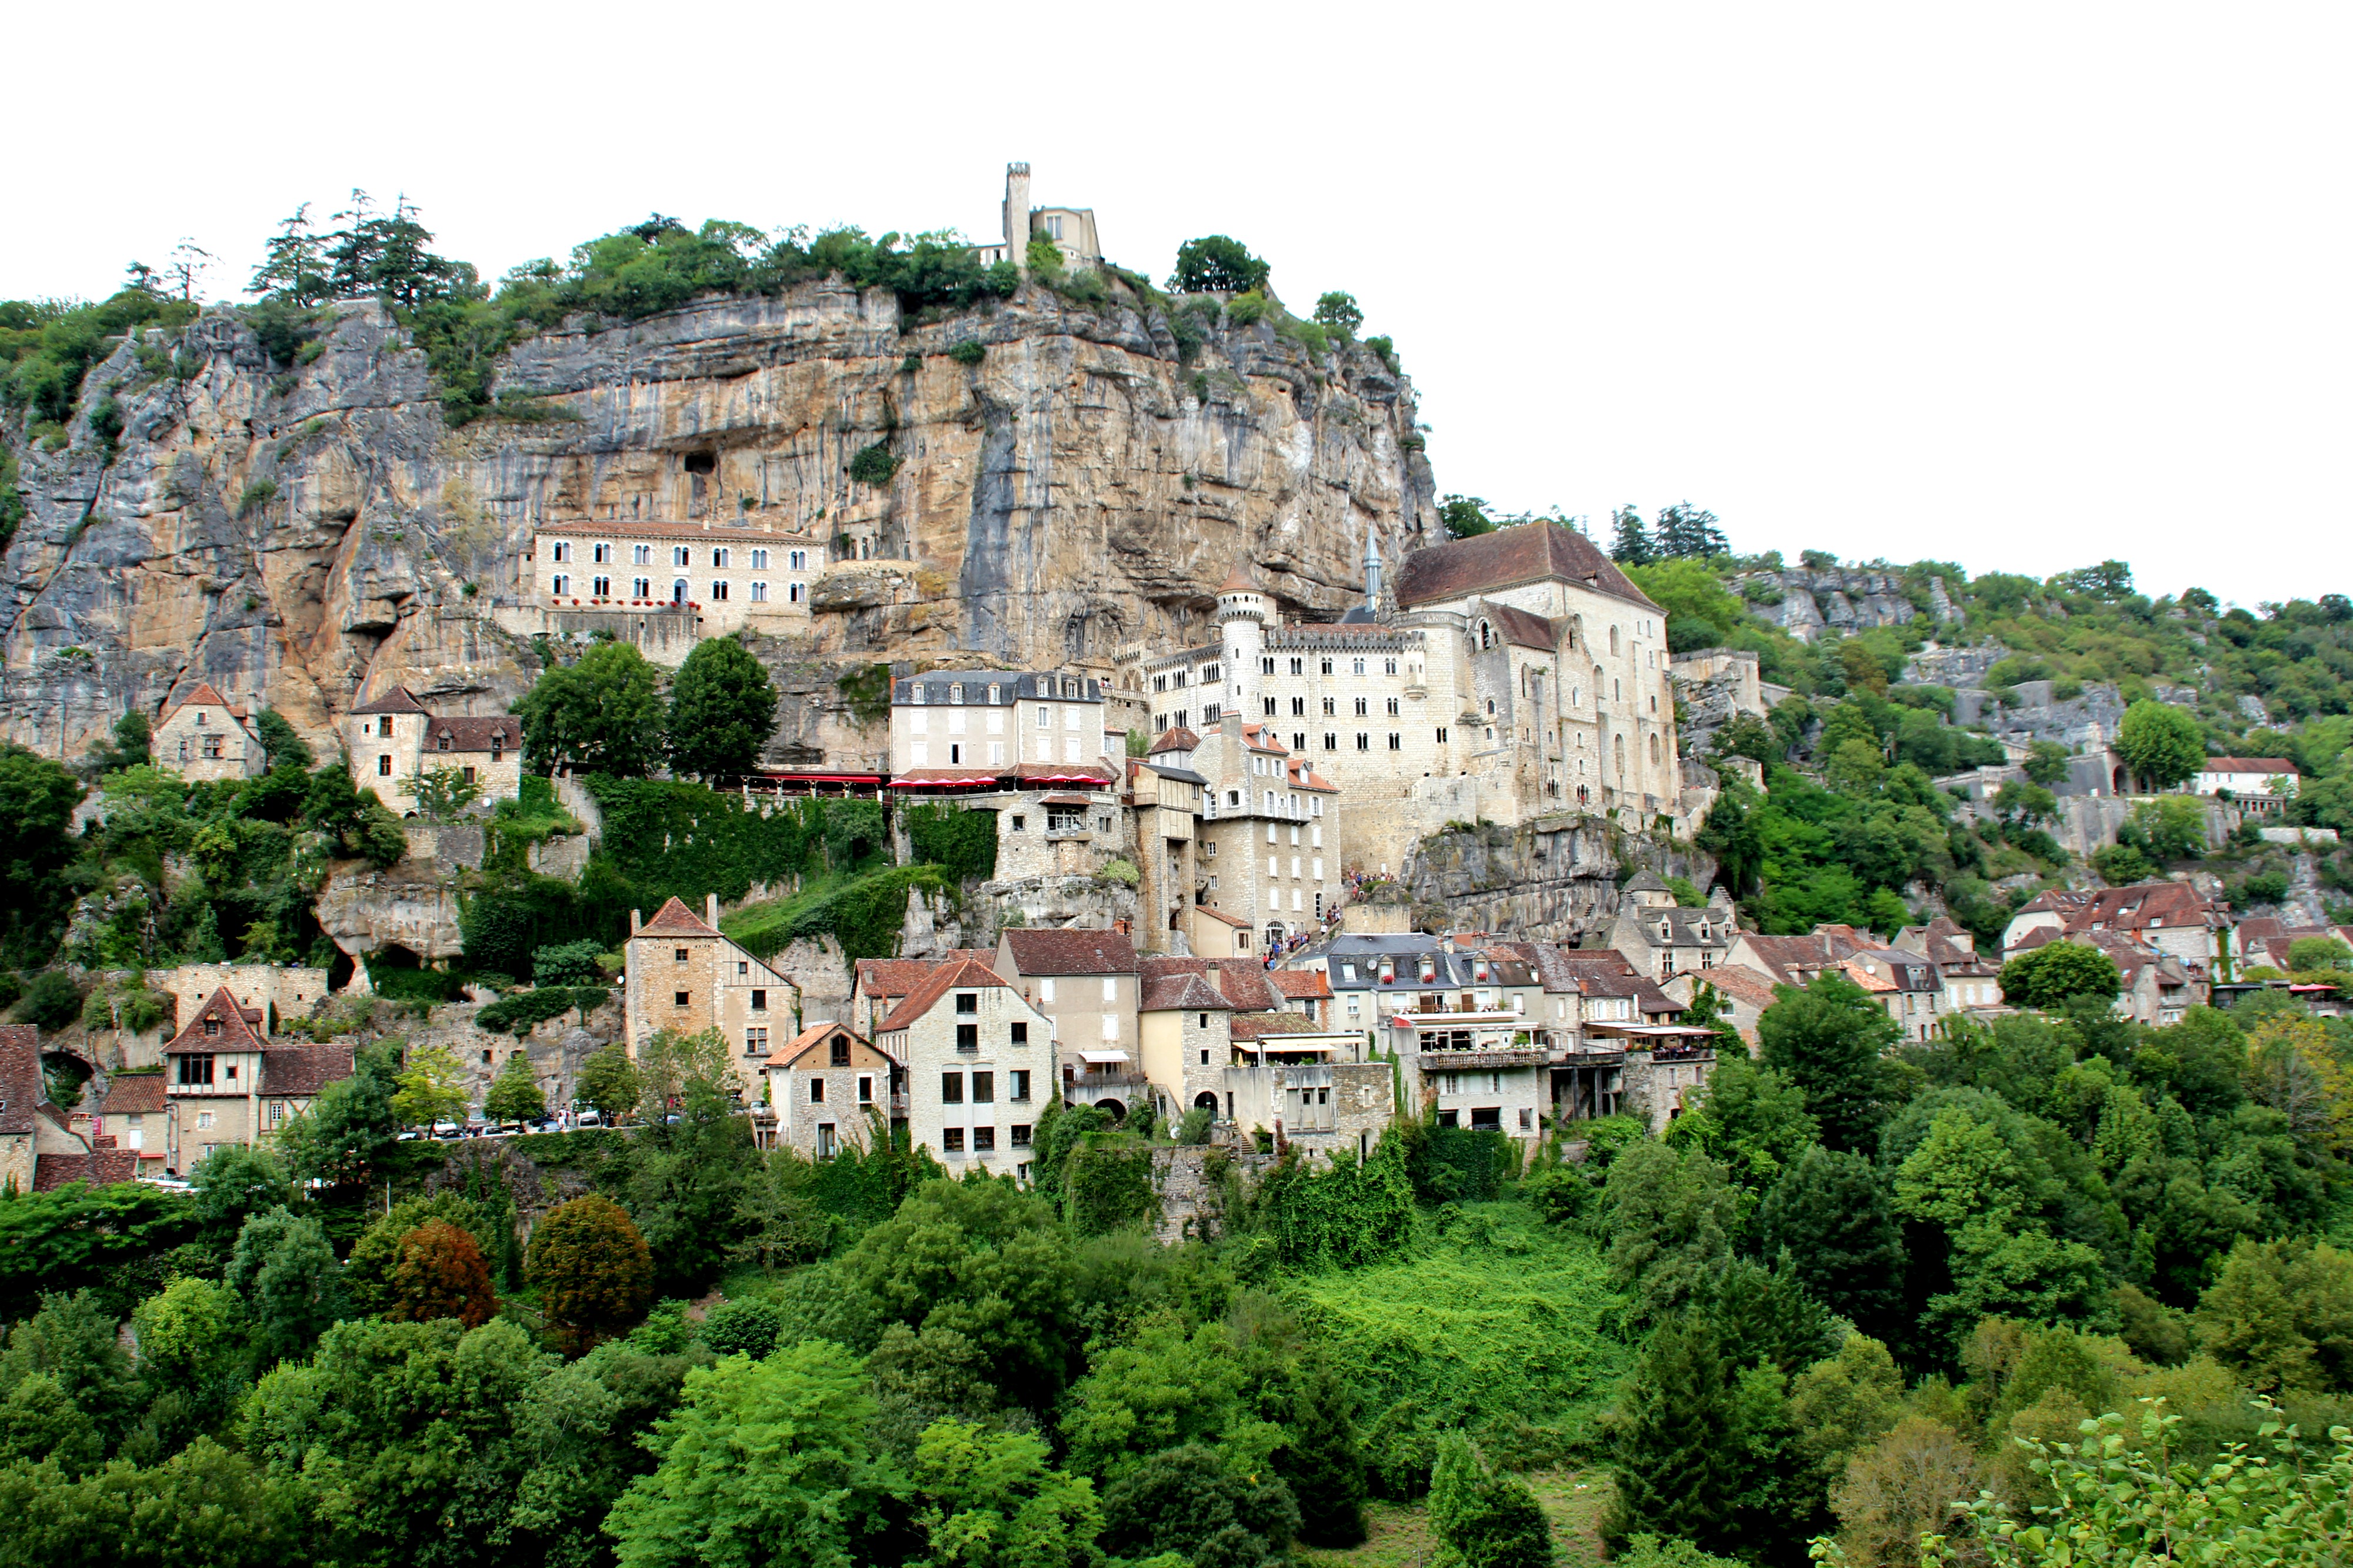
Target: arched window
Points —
{"points": [[1613, 642], [1486, 635], [1654, 751], [678, 592], [1618, 743]]}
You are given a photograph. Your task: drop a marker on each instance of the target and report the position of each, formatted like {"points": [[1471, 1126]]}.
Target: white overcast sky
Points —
{"points": [[2023, 286]]}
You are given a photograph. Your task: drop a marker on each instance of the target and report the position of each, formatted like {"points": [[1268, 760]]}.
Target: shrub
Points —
{"points": [[260, 493], [52, 1001], [567, 964], [1489, 1521], [970, 352], [743, 1328], [874, 465]]}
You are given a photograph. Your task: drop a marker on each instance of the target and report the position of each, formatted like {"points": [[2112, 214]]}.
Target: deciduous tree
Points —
{"points": [[1216, 264], [2056, 971], [723, 708], [514, 1095], [440, 1274], [2162, 744], [601, 714], [593, 1271], [1827, 1039]]}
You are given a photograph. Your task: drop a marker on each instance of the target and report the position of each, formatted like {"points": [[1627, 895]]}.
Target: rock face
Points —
{"points": [[296, 536], [1808, 602], [1555, 880]]}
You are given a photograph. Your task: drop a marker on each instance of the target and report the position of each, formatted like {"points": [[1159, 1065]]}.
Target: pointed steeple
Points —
{"points": [[1372, 571]]}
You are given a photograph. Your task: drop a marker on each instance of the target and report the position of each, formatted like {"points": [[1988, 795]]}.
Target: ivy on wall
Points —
{"points": [[1345, 1214], [1107, 1184], [960, 842]]}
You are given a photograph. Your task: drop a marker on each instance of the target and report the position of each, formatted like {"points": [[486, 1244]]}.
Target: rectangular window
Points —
{"points": [[968, 1001], [759, 1001], [677, 956], [1441, 734], [952, 1141], [1111, 1026], [559, 585], [682, 998], [641, 587], [1360, 666], [719, 559], [1364, 741], [1389, 667], [1019, 1033], [1331, 741], [984, 1088], [1327, 666], [1022, 1135], [755, 1042], [1396, 742], [798, 559], [967, 1038], [682, 556], [1017, 1089], [384, 766], [759, 593], [865, 1091], [562, 550], [195, 1069], [984, 1140], [1393, 707], [1045, 717], [1111, 988], [1046, 989], [951, 1089], [816, 1090]]}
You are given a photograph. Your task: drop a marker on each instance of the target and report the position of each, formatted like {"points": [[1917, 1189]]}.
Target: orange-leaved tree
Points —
{"points": [[441, 1274], [593, 1270]]}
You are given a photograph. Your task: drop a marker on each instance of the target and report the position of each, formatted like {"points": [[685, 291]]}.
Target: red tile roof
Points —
{"points": [[1740, 984], [1489, 562], [101, 1168], [1295, 983], [203, 696], [618, 528], [1243, 981], [235, 1034], [675, 918], [297, 1072], [1220, 915], [1522, 626], [1174, 738], [1251, 1026], [818, 1034], [888, 977], [2268, 766], [1052, 951], [396, 700], [969, 975], [1182, 992], [132, 1093], [2145, 905], [474, 734]]}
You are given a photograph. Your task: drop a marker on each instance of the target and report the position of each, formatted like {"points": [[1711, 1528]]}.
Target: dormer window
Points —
{"points": [[994, 697], [956, 694], [212, 1025], [441, 742], [916, 693]]}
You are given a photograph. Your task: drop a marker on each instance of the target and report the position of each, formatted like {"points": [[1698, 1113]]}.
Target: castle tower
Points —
{"points": [[1016, 214], [1242, 613], [1372, 573]]}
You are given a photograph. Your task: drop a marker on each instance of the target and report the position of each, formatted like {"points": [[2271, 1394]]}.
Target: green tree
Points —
{"points": [[361, 825], [2280, 1315], [765, 1462], [292, 1286], [432, 1087], [1631, 545], [204, 1504], [1465, 516], [37, 802], [514, 1094], [235, 1181], [1669, 1219], [2319, 953], [441, 795], [281, 743], [1187, 1501], [1215, 263], [991, 1499], [593, 1271], [723, 708], [601, 714], [1827, 1039], [2057, 971], [1323, 1461], [1748, 1119], [568, 963], [1339, 311], [1830, 1214], [1489, 1521], [2046, 763], [2162, 744], [441, 1274], [608, 1082], [349, 1129], [133, 746], [1168, 1388], [1692, 1437]]}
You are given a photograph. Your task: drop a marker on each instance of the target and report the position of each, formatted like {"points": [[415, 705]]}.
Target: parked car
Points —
{"points": [[591, 1117], [446, 1130]]}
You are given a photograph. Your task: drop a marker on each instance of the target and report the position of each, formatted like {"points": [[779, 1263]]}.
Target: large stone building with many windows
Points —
{"points": [[685, 975], [1506, 676]]}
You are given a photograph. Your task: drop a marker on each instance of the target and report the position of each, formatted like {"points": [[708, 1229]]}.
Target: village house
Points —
{"points": [[706, 578], [2265, 940], [224, 1083], [1971, 981], [686, 976], [1663, 939], [1222, 1035], [1481, 1070], [393, 739], [1905, 983], [131, 1113], [2259, 784], [883, 983], [980, 1067], [1084, 980], [39, 1149], [829, 1087], [1268, 833], [1741, 996], [1030, 747], [2157, 988], [206, 738], [1375, 975], [1631, 1053], [1165, 799], [2170, 917]]}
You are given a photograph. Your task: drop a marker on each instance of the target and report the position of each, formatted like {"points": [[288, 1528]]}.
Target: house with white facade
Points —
{"points": [[206, 737], [980, 1065]]}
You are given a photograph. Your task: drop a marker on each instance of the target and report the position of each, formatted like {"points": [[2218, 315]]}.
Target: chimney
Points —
{"points": [[636, 920], [710, 910]]}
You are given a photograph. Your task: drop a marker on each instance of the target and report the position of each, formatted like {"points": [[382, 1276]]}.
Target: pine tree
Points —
{"points": [[1632, 546], [1676, 1464], [1325, 1464]]}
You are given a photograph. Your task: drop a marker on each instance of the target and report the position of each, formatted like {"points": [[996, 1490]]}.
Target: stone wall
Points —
{"points": [[1553, 880]]}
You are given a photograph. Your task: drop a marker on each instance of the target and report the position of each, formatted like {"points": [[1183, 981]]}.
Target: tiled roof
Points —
{"points": [[297, 1070], [1220, 915], [1181, 992], [1295, 983], [1545, 962], [2267, 767], [235, 1034], [1238, 581], [817, 1034], [888, 977], [1522, 626], [675, 918], [1067, 773], [1645, 881], [101, 1168], [1740, 984], [132, 1094], [1488, 563], [969, 975], [1649, 1000], [1242, 981], [396, 700], [203, 696], [2143, 905], [21, 1088], [1262, 738], [474, 734], [1302, 776], [1044, 952], [1176, 738]]}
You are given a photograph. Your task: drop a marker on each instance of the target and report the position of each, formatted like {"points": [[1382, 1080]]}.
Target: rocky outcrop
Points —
{"points": [[1555, 880], [1810, 602], [296, 536], [411, 905]]}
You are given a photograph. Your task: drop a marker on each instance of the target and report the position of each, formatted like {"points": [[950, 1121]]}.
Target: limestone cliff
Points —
{"points": [[1553, 880], [298, 535]]}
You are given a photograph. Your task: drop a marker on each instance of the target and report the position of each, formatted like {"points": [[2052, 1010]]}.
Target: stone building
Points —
{"points": [[1972, 981], [1073, 230], [206, 737], [980, 1065], [131, 1113], [394, 738], [1663, 939], [39, 1149], [225, 1083], [1165, 800], [1742, 994], [1084, 980], [1030, 747], [667, 585], [686, 976], [883, 983], [829, 1087], [1269, 832], [1509, 675], [2173, 918]]}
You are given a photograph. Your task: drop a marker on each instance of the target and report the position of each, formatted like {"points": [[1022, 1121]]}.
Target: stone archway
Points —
{"points": [[1206, 1100], [1112, 1108]]}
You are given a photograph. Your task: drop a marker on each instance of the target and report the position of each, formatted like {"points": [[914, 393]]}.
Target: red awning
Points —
{"points": [[821, 778], [1064, 800]]}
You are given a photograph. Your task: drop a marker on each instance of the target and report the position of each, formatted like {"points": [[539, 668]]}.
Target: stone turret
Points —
{"points": [[1016, 215], [1242, 613], [1372, 572]]}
